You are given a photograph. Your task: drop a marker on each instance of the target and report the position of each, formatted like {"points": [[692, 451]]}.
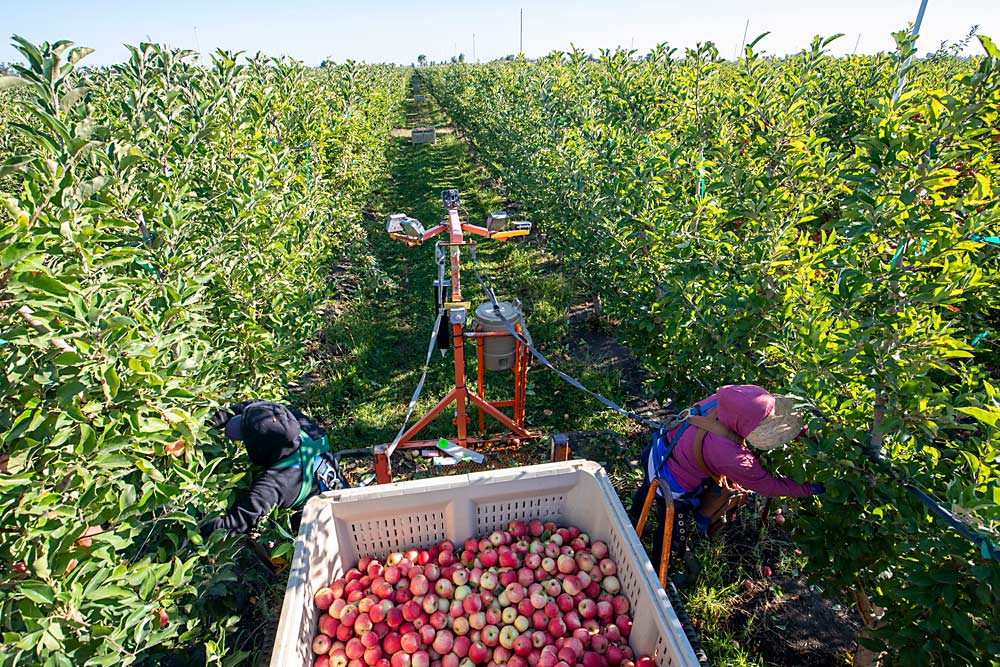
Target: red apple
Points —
{"points": [[491, 635], [392, 642], [444, 588], [410, 642], [354, 649], [419, 585], [321, 644], [372, 656], [521, 646], [443, 642], [324, 598], [349, 614], [479, 653]]}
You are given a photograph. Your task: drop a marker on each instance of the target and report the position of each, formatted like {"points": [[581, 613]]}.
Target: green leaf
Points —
{"points": [[110, 592], [93, 186], [69, 390], [36, 591], [13, 82], [986, 416], [72, 97], [43, 282], [150, 470], [989, 46], [79, 53], [114, 383], [15, 164]]}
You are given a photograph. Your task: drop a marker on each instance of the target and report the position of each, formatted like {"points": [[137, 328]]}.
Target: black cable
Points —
{"points": [[987, 549], [526, 340]]}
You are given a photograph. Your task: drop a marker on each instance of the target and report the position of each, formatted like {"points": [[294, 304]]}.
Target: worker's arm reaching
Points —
{"points": [[739, 465], [273, 488]]}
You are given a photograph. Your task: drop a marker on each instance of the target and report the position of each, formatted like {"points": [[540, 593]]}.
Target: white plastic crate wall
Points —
{"points": [[380, 537], [342, 526], [497, 516]]}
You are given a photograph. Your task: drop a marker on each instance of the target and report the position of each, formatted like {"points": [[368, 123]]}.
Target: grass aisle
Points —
{"points": [[374, 349]]}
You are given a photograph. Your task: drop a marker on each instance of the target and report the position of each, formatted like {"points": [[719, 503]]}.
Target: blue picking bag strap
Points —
{"points": [[696, 410]]}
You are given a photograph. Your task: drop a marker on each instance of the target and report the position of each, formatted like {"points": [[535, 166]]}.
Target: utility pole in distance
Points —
{"points": [[520, 48], [474, 48]]}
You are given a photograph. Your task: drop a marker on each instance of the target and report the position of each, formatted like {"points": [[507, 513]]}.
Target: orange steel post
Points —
{"points": [[560, 452], [458, 340], [522, 359], [516, 371], [480, 373], [383, 474]]}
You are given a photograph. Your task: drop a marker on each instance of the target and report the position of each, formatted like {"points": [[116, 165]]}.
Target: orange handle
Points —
{"points": [[668, 526]]}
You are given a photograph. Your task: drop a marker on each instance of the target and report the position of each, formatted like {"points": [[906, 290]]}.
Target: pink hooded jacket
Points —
{"points": [[741, 408]]}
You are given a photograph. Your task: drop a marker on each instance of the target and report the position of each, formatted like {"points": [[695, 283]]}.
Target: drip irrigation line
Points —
{"points": [[987, 549], [526, 340]]}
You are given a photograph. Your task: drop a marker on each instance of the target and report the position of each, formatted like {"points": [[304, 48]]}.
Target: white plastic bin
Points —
{"points": [[339, 527], [423, 135]]}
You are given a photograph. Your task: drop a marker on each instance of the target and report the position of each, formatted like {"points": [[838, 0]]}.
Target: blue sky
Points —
{"points": [[394, 31]]}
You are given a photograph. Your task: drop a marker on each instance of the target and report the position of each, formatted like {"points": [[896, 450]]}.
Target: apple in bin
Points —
{"points": [[533, 595]]}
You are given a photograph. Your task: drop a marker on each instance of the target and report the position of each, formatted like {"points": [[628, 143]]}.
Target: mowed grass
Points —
{"points": [[361, 393]]}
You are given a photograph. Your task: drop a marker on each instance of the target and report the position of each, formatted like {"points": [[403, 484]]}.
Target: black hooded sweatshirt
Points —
{"points": [[275, 486]]}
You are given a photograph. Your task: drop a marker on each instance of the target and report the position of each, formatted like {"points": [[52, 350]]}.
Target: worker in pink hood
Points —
{"points": [[753, 417]]}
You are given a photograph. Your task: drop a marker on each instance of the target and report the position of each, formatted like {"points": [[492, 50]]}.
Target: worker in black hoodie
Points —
{"points": [[293, 450]]}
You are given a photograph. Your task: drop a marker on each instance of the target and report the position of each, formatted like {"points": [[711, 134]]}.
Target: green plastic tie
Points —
{"points": [[899, 251], [980, 337]]}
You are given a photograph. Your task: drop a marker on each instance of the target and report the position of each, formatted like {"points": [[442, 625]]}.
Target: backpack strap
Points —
{"points": [[712, 425], [699, 458], [708, 424]]}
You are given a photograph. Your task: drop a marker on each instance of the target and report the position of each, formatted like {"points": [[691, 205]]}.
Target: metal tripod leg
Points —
{"points": [[668, 525]]}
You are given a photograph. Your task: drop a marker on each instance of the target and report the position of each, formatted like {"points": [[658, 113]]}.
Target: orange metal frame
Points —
{"points": [[460, 394]]}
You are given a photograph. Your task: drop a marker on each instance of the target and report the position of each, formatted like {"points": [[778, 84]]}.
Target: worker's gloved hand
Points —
{"points": [[218, 419], [817, 488]]}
